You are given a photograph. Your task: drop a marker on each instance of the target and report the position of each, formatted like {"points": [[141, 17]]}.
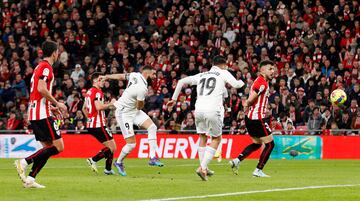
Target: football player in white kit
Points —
{"points": [[128, 112], [209, 109]]}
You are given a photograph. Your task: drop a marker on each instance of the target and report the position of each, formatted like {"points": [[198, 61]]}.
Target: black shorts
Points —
{"points": [[45, 130], [258, 128], [102, 134]]}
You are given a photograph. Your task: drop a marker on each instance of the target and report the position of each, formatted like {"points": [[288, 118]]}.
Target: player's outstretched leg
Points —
{"points": [[264, 157], [102, 154], [201, 151], [154, 161], [124, 152], [235, 163], [38, 159], [208, 156], [218, 153]]}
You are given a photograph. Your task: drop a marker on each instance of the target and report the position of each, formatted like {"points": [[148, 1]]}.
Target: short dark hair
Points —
{"points": [[218, 60], [94, 76], [48, 48], [266, 62], [147, 67]]}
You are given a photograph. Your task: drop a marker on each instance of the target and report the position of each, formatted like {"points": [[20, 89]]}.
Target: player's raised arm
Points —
{"points": [[250, 101], [232, 81], [187, 80], [104, 106], [120, 76], [46, 93]]}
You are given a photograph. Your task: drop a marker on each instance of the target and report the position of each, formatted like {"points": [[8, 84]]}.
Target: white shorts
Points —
{"points": [[210, 123], [127, 119]]}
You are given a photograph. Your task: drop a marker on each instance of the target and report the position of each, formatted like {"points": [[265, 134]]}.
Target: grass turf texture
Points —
{"points": [[72, 179]]}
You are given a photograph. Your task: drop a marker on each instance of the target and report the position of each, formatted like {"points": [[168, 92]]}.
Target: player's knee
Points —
{"points": [[112, 147], [131, 146], [60, 147], [270, 145], [152, 131]]}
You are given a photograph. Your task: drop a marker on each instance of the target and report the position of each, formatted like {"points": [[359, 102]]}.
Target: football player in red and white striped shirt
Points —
{"points": [[41, 106], [256, 122], [94, 109]]}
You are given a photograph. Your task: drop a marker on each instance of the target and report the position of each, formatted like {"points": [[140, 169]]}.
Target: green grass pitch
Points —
{"points": [[71, 179]]}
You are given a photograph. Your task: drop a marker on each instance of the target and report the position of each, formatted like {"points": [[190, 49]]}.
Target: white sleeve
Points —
{"points": [[232, 81], [187, 80], [141, 95]]}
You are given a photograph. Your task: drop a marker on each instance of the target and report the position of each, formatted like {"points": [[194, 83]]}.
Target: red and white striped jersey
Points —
{"points": [[95, 118], [259, 107], [39, 106]]}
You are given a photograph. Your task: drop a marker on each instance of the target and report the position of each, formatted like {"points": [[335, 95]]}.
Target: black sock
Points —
{"points": [[40, 158], [264, 157], [101, 154], [109, 160], [38, 165], [43, 153], [248, 150]]}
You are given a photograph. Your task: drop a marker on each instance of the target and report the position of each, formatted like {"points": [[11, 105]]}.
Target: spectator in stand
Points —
{"points": [[13, 122], [356, 121], [352, 110], [315, 45], [77, 73], [314, 121], [345, 121], [190, 125], [326, 120]]}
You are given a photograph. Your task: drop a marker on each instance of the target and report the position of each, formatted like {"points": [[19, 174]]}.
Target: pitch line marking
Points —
{"points": [[253, 192]]}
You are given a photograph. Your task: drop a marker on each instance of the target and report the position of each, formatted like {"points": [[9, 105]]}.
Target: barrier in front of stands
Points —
{"points": [[185, 146]]}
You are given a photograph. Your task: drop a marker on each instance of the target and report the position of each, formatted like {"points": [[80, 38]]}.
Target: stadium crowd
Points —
{"points": [[315, 45]]}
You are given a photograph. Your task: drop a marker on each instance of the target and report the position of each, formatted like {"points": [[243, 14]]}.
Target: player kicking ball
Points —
{"points": [[40, 116], [128, 112], [256, 122], [94, 110], [209, 109]]}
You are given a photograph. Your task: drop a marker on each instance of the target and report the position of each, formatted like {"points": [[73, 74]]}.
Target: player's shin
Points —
{"points": [[37, 166], [125, 151], [43, 153], [264, 157], [102, 153], [210, 152], [109, 159], [152, 140], [202, 146], [248, 150]]}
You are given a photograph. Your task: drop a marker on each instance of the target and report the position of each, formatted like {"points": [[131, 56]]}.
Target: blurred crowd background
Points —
{"points": [[314, 43]]}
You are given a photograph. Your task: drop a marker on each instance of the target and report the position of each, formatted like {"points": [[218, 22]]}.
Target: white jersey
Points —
{"points": [[135, 90], [210, 88]]}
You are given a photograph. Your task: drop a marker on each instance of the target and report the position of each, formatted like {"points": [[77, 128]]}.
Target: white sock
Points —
{"points": [[201, 151], [152, 140], [125, 151], [23, 162], [236, 161], [152, 147], [30, 179], [208, 156]]}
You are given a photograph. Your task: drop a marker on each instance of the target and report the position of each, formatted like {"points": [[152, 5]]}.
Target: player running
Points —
{"points": [[44, 127], [94, 109], [128, 112], [256, 123], [209, 109]]}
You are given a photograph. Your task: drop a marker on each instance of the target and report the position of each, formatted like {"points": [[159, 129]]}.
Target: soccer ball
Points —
{"points": [[338, 97]]}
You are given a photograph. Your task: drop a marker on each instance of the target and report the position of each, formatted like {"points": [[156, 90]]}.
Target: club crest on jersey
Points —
{"points": [[262, 87], [46, 72]]}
